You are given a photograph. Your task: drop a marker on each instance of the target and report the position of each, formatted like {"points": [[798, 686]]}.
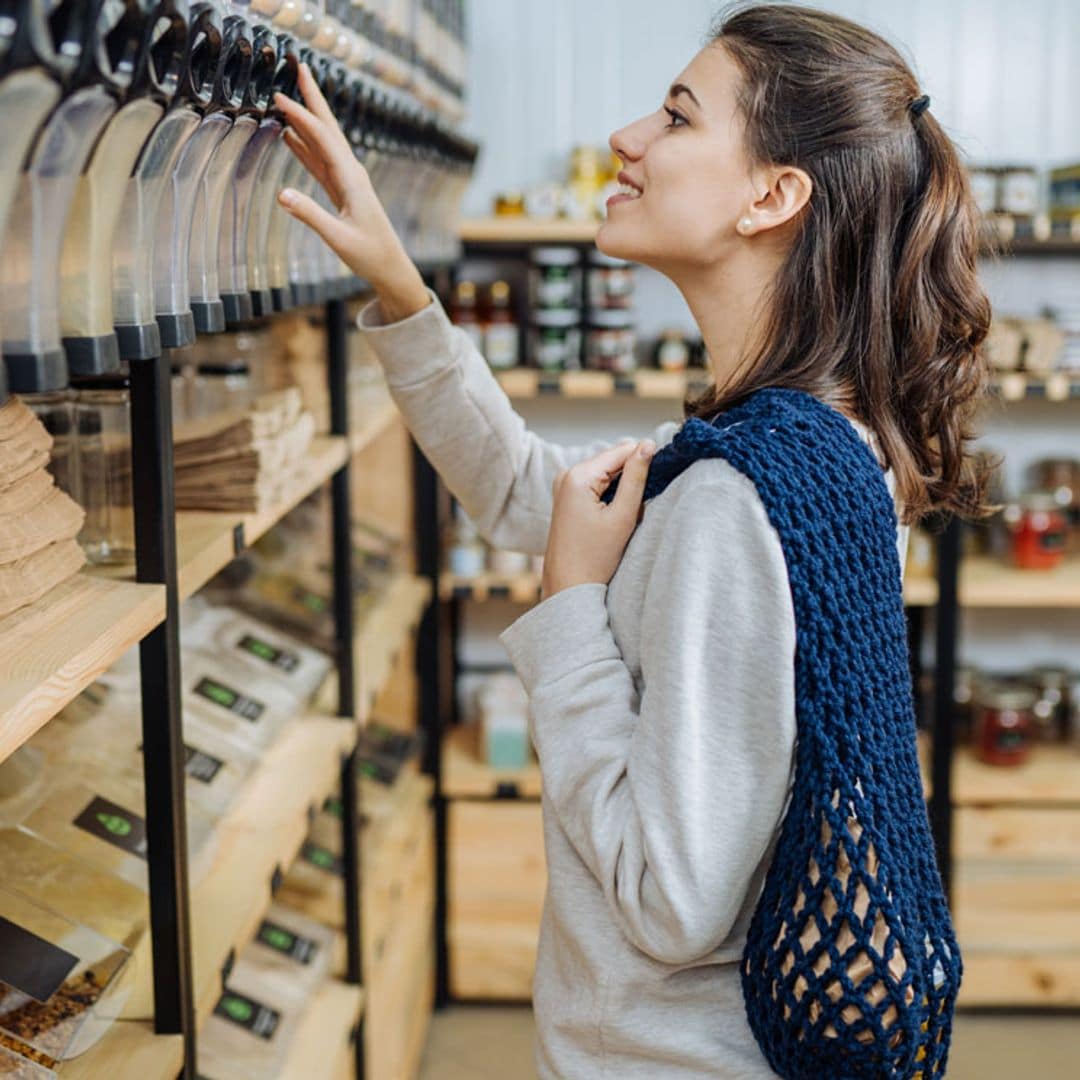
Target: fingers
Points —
{"points": [[632, 482], [313, 163], [607, 462], [313, 96], [327, 225]]}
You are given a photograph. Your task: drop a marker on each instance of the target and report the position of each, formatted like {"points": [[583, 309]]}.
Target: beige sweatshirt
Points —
{"points": [[662, 708]]}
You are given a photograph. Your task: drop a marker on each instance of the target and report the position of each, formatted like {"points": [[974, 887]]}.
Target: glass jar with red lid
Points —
{"points": [[1004, 721], [1037, 531]]}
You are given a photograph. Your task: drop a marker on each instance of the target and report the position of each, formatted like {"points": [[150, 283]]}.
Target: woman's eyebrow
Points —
{"points": [[681, 88]]}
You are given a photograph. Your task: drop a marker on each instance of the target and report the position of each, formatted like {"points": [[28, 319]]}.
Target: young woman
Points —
{"points": [[817, 220]]}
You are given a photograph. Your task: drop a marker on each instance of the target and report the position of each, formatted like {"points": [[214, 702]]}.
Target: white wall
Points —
{"points": [[547, 74]]}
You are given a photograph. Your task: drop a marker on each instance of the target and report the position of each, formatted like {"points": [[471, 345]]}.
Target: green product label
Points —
{"points": [[334, 806], [248, 1013], [263, 650], [277, 937], [323, 859], [114, 824], [314, 603], [227, 698]]}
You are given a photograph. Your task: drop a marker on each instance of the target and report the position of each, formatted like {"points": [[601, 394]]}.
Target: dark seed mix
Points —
{"points": [[51, 1025]]}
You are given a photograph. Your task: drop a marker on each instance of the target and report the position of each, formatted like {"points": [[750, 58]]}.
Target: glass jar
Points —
{"points": [[672, 351], [610, 281], [609, 342], [555, 340], [1037, 529], [1052, 705], [464, 313], [555, 278], [223, 387], [56, 411], [103, 421], [1004, 722], [1062, 477], [1020, 191], [965, 681], [502, 339], [466, 554]]}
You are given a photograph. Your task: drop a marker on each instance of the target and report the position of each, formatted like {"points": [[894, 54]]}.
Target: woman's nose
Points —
{"points": [[627, 143]]}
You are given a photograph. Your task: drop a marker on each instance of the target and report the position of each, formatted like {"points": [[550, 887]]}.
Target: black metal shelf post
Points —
{"points": [[341, 513], [943, 738], [162, 720]]}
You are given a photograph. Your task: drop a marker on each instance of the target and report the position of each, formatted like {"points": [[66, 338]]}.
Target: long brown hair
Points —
{"points": [[878, 306]]}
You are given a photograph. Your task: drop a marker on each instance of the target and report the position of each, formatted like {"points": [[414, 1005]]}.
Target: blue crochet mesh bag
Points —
{"points": [[851, 967]]}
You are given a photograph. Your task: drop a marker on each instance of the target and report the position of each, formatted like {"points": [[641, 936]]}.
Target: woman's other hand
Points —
{"points": [[361, 233], [587, 536]]}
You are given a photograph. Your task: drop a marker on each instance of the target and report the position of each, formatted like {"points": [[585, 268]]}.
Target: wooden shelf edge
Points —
{"points": [[523, 230], [325, 1029], [129, 1050], [54, 649], [1049, 778], [466, 776], [372, 427]]}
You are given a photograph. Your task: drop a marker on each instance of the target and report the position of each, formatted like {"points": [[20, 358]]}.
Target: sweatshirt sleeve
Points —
{"points": [[499, 471], [672, 797]]}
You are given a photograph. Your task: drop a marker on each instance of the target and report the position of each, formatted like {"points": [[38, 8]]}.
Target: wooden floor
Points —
{"points": [[469, 1043]]}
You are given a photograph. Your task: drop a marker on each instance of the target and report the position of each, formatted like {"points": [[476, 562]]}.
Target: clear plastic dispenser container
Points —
{"points": [[45, 189], [59, 979], [176, 68], [334, 273], [231, 88], [290, 952], [302, 245], [86, 323], [16, 1067], [236, 210], [103, 422], [206, 126], [27, 94], [265, 212]]}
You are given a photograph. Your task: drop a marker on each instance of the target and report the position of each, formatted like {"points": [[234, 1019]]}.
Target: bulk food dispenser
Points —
{"points": [[153, 33], [198, 104], [267, 183], [230, 94], [78, 56], [27, 94], [274, 71]]}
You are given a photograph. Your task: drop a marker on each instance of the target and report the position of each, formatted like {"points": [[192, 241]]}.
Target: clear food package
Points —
{"points": [[290, 953]]}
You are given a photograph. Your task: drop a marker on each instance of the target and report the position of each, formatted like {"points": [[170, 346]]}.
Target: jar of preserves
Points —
{"points": [[510, 204], [610, 281], [464, 312], [555, 278], [1037, 530], [1004, 721], [609, 342], [555, 340], [1062, 477], [1051, 709], [501, 336]]}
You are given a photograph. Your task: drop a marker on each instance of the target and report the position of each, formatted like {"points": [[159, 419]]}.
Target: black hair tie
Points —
{"points": [[919, 105]]}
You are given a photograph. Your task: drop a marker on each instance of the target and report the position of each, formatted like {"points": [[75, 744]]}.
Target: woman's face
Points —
{"points": [[688, 162]]}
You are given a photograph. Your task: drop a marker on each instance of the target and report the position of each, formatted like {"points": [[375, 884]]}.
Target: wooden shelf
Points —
{"points": [[380, 634], [1050, 777], [520, 588], [52, 650], [129, 1051], [262, 832], [524, 383], [989, 583], [466, 776], [325, 1033], [523, 230], [372, 426]]}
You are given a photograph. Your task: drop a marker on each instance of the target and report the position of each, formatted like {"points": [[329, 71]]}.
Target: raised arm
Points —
{"points": [[500, 472]]}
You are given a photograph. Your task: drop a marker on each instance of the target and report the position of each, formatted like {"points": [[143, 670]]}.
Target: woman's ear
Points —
{"points": [[787, 191]]}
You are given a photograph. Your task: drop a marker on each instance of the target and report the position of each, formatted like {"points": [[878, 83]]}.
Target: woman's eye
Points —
{"points": [[677, 119]]}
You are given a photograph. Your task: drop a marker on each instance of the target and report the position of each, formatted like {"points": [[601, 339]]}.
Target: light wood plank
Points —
{"points": [[1002, 832], [369, 427], [920, 592], [129, 1051], [52, 650], [587, 384], [262, 831], [466, 775], [523, 230], [986, 582], [1031, 977], [323, 1035], [1051, 776], [382, 632], [519, 382], [650, 383]]}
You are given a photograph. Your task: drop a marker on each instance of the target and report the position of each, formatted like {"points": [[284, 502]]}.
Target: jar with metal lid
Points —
{"points": [[56, 411], [610, 281], [1062, 477], [464, 312], [609, 342], [103, 422], [1051, 709], [1004, 721], [555, 278], [223, 386], [1038, 531], [672, 350], [501, 336], [555, 339], [1020, 191], [510, 204]]}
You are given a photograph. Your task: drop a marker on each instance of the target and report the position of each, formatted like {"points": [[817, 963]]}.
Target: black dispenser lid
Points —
{"points": [[164, 51], [234, 66], [58, 31], [287, 69], [264, 62], [113, 44], [196, 85], [344, 93]]}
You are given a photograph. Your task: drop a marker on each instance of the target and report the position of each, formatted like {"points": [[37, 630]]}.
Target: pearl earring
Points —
{"points": [[745, 224]]}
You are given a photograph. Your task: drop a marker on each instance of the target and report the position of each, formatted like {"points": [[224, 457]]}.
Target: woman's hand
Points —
{"points": [[361, 233], [587, 536]]}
